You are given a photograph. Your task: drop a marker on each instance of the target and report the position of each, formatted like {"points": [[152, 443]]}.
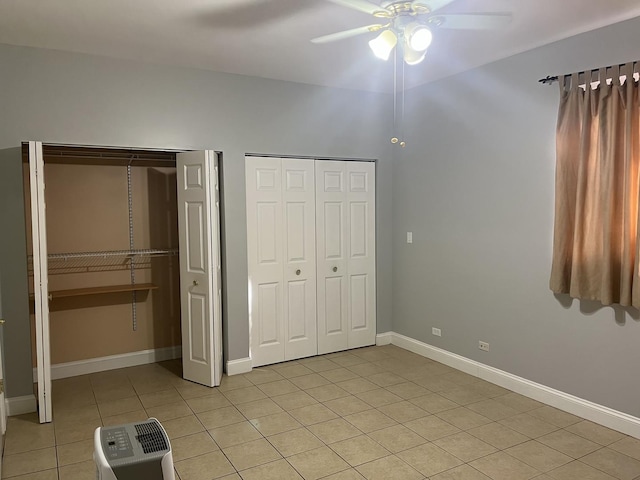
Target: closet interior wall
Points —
{"points": [[87, 198]]}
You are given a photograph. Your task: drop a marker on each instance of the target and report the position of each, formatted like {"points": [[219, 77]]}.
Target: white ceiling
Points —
{"points": [[270, 38]]}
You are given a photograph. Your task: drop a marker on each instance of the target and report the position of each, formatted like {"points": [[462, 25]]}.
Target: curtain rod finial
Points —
{"points": [[548, 79]]}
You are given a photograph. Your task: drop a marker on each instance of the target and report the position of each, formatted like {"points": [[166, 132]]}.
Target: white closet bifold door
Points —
{"points": [[200, 294], [298, 194], [345, 228], [281, 258], [264, 244]]}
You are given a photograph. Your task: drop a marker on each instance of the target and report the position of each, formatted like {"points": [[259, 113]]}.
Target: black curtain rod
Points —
{"points": [[550, 79]]}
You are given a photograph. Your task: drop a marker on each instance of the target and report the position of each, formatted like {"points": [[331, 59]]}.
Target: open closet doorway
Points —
{"points": [[125, 257]]}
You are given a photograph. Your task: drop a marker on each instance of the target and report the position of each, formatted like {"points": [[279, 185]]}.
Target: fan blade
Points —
{"points": [[432, 5], [472, 21], [362, 6], [347, 33]]}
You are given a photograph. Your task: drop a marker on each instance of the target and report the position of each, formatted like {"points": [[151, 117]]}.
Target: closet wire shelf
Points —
{"points": [[101, 261]]}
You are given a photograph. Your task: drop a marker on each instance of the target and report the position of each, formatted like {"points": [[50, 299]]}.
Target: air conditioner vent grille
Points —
{"points": [[151, 437]]}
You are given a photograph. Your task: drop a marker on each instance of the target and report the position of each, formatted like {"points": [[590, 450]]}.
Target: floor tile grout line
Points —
{"points": [[600, 446], [329, 445]]}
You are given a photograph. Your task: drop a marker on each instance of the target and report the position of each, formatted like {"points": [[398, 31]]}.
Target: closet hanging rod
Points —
{"points": [[113, 253], [159, 158], [100, 152]]}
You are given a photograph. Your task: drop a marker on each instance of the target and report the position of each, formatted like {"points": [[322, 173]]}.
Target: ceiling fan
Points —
{"points": [[411, 24]]}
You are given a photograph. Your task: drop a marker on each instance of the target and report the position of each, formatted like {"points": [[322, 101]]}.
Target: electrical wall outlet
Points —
{"points": [[436, 331], [483, 346], [409, 237]]}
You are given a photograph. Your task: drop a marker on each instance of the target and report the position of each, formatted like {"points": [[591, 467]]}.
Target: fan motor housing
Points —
{"points": [[394, 9]]}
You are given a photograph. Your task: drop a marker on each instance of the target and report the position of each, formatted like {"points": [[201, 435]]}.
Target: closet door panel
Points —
{"points": [[331, 229], [197, 328], [267, 237], [335, 323], [299, 272], [268, 314], [296, 215], [199, 289], [358, 230], [265, 259], [193, 198], [297, 309], [358, 302], [361, 256], [195, 236]]}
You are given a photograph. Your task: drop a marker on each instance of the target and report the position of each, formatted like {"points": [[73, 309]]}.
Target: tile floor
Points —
{"points": [[372, 413]]}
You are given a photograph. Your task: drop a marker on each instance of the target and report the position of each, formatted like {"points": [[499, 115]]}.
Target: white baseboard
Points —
{"points": [[600, 414], [20, 405], [236, 367], [101, 364], [384, 338]]}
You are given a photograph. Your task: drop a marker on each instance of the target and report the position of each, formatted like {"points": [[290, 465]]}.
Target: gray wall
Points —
{"points": [[13, 276], [69, 98], [476, 186]]}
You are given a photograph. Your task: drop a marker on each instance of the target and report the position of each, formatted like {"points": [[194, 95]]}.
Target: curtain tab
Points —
{"points": [[564, 83], [629, 72], [589, 77], [615, 75], [575, 81], [592, 95], [602, 76]]}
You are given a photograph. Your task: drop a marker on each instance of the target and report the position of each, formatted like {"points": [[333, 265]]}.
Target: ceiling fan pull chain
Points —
{"points": [[394, 139], [398, 117], [402, 142]]}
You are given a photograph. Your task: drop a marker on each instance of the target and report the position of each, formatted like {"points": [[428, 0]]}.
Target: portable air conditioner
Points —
{"points": [[135, 451]]}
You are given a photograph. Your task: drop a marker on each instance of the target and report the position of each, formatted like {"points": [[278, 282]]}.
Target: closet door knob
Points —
{"points": [[1, 321], [335, 269], [195, 283], [298, 272]]}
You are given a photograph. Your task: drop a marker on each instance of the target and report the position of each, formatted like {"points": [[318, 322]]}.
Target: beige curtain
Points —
{"points": [[595, 247]]}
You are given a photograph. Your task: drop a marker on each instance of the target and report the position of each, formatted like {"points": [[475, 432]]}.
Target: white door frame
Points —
{"points": [[3, 408], [40, 280], [3, 411]]}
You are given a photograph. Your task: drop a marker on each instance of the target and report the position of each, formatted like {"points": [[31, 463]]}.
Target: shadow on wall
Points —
{"points": [[165, 272], [589, 307]]}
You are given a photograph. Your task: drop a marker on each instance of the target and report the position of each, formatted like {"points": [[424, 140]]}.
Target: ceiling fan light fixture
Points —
{"points": [[383, 44], [418, 36], [412, 57]]}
